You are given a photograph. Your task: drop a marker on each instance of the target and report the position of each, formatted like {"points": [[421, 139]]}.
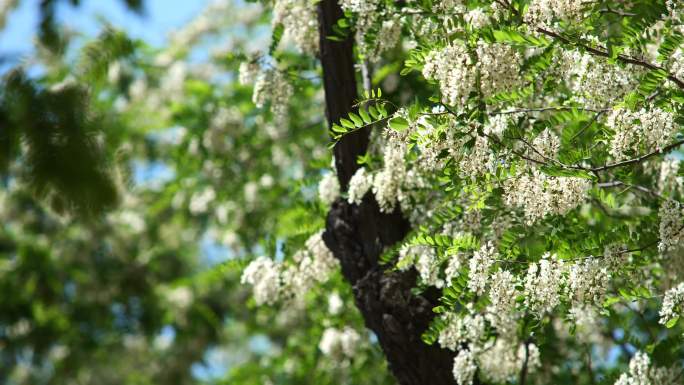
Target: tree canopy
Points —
{"points": [[348, 192]]}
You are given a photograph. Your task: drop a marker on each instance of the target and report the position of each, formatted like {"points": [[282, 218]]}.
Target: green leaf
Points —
{"points": [[347, 123], [398, 124], [671, 323], [358, 122], [374, 112], [611, 301], [364, 115], [276, 37]]}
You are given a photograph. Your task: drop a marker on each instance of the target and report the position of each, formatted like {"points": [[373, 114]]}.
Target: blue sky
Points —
{"points": [[159, 18]]}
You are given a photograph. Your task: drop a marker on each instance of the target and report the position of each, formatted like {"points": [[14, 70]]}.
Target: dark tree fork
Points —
{"points": [[358, 234]]}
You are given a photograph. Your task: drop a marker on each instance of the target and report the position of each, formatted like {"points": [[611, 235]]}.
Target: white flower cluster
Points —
{"points": [[200, 200], [543, 285], [300, 23], [546, 145], [540, 195], [593, 81], [477, 18], [314, 264], [588, 281], [272, 281], [478, 162], [587, 323], [502, 311], [339, 344], [499, 66], [502, 361], [544, 13], [642, 373], [387, 182], [497, 124], [449, 5], [668, 180], [359, 184], [671, 225], [451, 67], [480, 264], [499, 360], [637, 131], [272, 86], [464, 367], [373, 19], [264, 275], [468, 329], [424, 259], [674, 9], [387, 38], [676, 61], [672, 304], [248, 72], [329, 188], [359, 6]]}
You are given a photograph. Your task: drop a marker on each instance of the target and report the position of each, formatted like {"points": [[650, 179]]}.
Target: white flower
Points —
{"points": [[329, 188], [464, 367], [359, 184], [638, 131], [469, 328], [671, 225], [497, 124], [545, 12], [668, 180], [452, 68], [499, 66], [248, 72], [477, 18], [540, 195], [454, 265], [546, 144], [199, 201], [272, 86], [543, 283], [480, 264], [300, 23], [339, 344], [595, 82], [264, 275], [335, 303], [502, 361], [642, 373], [588, 281], [672, 304], [587, 323], [180, 297], [312, 264], [388, 180], [479, 161], [501, 312]]}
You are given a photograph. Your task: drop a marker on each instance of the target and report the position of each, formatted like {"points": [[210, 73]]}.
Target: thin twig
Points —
{"points": [[622, 58], [551, 108]]}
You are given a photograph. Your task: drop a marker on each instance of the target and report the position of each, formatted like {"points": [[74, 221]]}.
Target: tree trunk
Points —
{"points": [[358, 234]]}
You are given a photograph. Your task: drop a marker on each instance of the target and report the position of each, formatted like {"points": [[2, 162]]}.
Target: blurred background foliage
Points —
{"points": [[135, 180]]}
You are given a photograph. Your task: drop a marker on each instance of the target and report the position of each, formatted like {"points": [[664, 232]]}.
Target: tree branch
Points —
{"points": [[605, 53]]}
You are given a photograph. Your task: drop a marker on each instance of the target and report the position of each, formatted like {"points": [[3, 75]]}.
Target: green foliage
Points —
{"points": [[58, 129]]}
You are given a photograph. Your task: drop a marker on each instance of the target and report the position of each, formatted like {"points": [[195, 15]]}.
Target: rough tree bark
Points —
{"points": [[358, 234]]}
